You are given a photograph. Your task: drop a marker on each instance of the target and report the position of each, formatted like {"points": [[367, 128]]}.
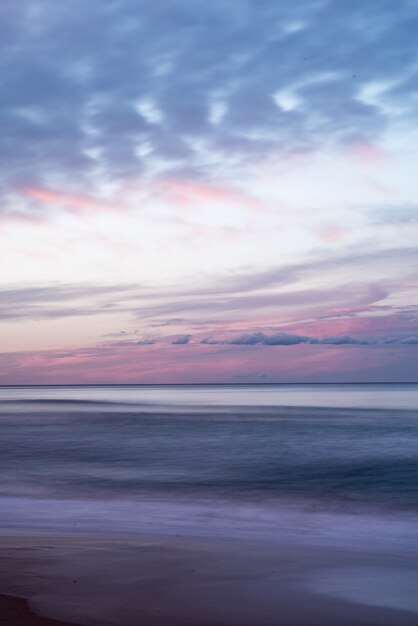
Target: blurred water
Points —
{"points": [[250, 460], [195, 397]]}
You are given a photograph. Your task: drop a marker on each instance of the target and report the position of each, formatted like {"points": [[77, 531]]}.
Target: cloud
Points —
{"points": [[93, 93], [287, 339], [340, 340], [317, 264], [59, 199], [46, 302], [187, 194], [121, 362], [147, 341], [279, 339], [292, 292], [394, 214], [403, 340], [291, 301], [181, 339]]}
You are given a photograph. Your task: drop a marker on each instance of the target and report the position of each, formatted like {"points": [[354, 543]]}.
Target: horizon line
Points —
{"points": [[238, 384]]}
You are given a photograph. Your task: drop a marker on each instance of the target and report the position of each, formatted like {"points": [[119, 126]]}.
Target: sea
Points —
{"points": [[322, 479], [294, 461]]}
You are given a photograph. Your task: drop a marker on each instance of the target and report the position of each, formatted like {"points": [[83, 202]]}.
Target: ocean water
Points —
{"points": [[333, 464]]}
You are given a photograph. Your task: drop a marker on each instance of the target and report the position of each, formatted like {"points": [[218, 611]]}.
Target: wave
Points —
{"points": [[202, 398], [215, 517], [238, 411], [70, 401]]}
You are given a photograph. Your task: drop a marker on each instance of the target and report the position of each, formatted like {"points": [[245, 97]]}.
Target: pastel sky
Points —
{"points": [[197, 191]]}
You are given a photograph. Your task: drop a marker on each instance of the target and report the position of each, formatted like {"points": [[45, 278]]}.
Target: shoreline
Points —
{"points": [[95, 580], [16, 611]]}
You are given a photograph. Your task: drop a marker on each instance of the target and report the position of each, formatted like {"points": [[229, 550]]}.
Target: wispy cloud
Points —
{"points": [[62, 200], [47, 302], [290, 289]]}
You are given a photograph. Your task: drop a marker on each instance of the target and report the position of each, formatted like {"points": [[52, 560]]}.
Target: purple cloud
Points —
{"points": [[287, 339], [181, 340]]}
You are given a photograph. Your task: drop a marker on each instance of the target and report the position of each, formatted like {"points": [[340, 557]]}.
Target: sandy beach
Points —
{"points": [[162, 581], [16, 611]]}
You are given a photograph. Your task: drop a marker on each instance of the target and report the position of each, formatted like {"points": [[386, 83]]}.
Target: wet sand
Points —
{"points": [[16, 612], [167, 581]]}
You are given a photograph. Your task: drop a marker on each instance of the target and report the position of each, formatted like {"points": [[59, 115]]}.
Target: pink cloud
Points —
{"points": [[359, 321], [18, 217], [368, 152], [332, 233], [196, 363], [72, 202], [188, 193]]}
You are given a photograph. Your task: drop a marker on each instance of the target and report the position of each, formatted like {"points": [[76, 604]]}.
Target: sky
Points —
{"points": [[202, 192]]}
